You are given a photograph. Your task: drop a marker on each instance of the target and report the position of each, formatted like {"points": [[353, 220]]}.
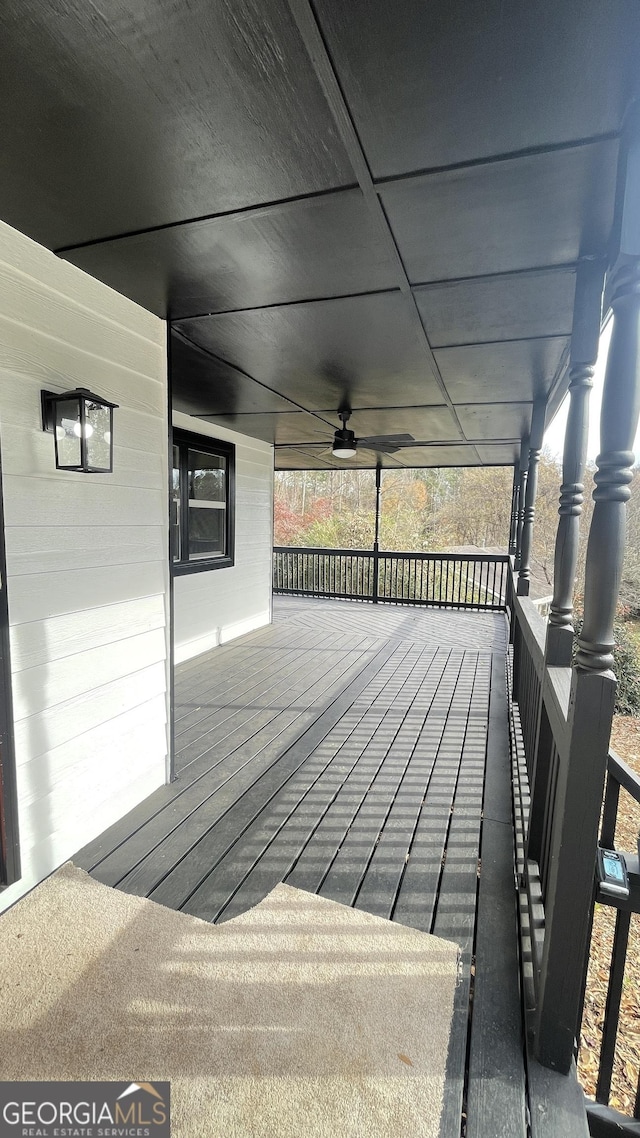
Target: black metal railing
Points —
{"points": [[603, 1118], [528, 668], [539, 720], [440, 580]]}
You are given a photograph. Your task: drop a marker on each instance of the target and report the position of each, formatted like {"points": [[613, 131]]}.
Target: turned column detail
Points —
{"points": [[618, 424], [522, 490], [528, 513], [584, 352], [515, 509], [583, 746]]}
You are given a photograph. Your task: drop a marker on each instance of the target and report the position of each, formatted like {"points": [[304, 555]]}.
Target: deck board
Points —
{"points": [[344, 749]]}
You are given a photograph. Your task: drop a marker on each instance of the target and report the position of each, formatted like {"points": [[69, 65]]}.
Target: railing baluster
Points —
{"points": [[610, 812], [412, 578], [612, 1007]]}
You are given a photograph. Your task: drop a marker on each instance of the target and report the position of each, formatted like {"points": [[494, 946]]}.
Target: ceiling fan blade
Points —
{"points": [[380, 448], [375, 442]]}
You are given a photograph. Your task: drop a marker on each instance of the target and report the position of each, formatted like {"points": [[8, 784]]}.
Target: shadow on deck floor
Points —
{"points": [[351, 751]]}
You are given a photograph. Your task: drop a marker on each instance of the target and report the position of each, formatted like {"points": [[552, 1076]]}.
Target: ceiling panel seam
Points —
{"points": [[416, 286], [313, 39], [244, 211], [445, 347], [227, 363], [493, 159], [333, 191], [288, 303], [504, 274]]}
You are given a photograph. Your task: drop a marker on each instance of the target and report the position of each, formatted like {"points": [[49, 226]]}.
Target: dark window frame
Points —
{"points": [[10, 869], [184, 441]]}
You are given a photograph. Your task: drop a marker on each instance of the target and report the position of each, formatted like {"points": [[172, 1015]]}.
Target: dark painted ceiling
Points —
{"points": [[366, 203]]}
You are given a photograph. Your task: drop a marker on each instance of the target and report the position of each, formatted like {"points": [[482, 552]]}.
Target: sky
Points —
{"points": [[554, 435]]}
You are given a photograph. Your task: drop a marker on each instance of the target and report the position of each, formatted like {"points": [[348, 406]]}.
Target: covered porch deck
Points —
{"points": [[362, 754]]}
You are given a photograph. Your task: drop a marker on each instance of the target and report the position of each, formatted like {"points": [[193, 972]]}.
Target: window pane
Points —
{"points": [[206, 532], [175, 506], [98, 435], [68, 432], [207, 476]]}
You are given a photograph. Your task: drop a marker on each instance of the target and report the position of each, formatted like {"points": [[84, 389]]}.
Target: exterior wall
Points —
{"points": [[213, 607], [87, 557]]}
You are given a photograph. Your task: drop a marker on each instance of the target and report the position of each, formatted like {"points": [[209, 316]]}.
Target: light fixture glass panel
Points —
{"points": [[207, 476], [67, 433], [97, 433], [207, 532]]}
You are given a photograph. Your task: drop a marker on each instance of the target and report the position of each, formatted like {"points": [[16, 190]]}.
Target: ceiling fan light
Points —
{"points": [[344, 444]]}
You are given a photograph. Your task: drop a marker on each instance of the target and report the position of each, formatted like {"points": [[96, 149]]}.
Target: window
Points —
{"points": [[202, 504]]}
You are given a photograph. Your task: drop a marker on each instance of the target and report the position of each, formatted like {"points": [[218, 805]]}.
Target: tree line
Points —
{"points": [[438, 510]]}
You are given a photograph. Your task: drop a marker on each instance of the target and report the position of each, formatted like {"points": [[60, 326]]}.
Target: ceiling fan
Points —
{"points": [[345, 443]]}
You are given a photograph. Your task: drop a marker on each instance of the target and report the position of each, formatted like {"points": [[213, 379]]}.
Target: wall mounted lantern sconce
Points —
{"points": [[82, 427]]}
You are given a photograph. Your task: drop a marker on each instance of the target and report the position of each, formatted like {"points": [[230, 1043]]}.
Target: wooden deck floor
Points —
{"points": [[361, 753]]}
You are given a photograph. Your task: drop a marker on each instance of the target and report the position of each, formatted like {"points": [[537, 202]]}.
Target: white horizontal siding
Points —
{"points": [[213, 607], [137, 726], [54, 848], [50, 549], [54, 726], [87, 563], [42, 641]]}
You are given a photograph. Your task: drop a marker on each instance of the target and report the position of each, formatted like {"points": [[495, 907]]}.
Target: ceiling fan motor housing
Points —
{"points": [[344, 440]]}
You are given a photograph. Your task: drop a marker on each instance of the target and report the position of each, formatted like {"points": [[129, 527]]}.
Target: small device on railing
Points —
{"points": [[612, 873]]}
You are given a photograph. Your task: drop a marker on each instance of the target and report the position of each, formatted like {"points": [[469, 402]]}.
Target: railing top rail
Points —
{"points": [[532, 625], [624, 775], [498, 558], [321, 549]]}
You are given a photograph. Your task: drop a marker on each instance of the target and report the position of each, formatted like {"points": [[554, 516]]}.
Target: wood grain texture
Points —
{"points": [[321, 246], [320, 353], [522, 78], [500, 307], [239, 159], [515, 214], [174, 115], [511, 370]]}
